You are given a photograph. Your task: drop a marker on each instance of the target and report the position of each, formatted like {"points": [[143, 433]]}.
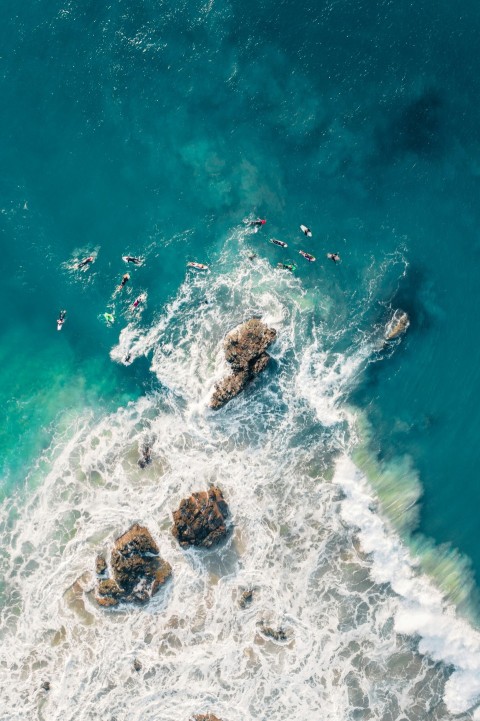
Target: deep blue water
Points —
{"points": [[153, 128]]}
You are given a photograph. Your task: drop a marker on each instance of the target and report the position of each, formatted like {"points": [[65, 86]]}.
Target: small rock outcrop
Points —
{"points": [[245, 351], [246, 598], [145, 455], [137, 569], [397, 325], [200, 519], [205, 717], [277, 634], [100, 565]]}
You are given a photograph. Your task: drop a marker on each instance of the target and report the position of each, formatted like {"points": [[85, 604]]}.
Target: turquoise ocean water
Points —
{"points": [[154, 129]]}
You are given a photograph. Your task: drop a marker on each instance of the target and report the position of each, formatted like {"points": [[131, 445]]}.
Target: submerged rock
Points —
{"points": [[137, 665], [137, 569], [397, 325], [277, 634], [145, 455], [245, 351], [46, 686], [200, 519], [246, 598]]}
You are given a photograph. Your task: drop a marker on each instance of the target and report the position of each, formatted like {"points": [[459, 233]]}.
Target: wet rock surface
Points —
{"points": [[246, 598], [137, 569], [145, 455], [100, 565], [245, 351], [205, 717], [276, 634], [200, 519]]}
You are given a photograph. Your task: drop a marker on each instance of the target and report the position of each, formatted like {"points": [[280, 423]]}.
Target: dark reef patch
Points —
{"points": [[418, 128]]}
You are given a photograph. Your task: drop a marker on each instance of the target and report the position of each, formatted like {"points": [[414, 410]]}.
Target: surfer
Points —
{"points": [[257, 223], [61, 319], [132, 259], [109, 317], [287, 266], [125, 279], [86, 261], [138, 300], [307, 256], [306, 231], [334, 256], [280, 243]]}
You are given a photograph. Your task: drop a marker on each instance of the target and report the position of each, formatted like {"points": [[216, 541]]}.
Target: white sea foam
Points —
{"points": [[348, 617]]}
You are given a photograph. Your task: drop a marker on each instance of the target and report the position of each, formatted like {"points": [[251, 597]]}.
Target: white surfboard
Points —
{"points": [[306, 230], [61, 319]]}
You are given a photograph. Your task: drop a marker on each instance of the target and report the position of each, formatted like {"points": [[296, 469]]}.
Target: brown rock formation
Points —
{"points": [[138, 570], [205, 717], [100, 565], [245, 351], [200, 519]]}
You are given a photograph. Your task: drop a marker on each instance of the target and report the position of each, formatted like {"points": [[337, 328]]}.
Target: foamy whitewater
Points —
{"points": [[368, 635]]}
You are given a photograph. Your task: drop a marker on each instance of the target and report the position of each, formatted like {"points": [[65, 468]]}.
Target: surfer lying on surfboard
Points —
{"points": [[278, 242], [125, 279], [132, 259], [197, 266], [85, 262], [307, 256], [306, 230], [256, 223], [334, 256], [287, 266], [141, 299], [61, 319]]}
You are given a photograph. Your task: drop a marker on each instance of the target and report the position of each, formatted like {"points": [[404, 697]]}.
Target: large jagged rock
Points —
{"points": [[245, 351], [200, 519], [397, 325], [137, 569]]}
